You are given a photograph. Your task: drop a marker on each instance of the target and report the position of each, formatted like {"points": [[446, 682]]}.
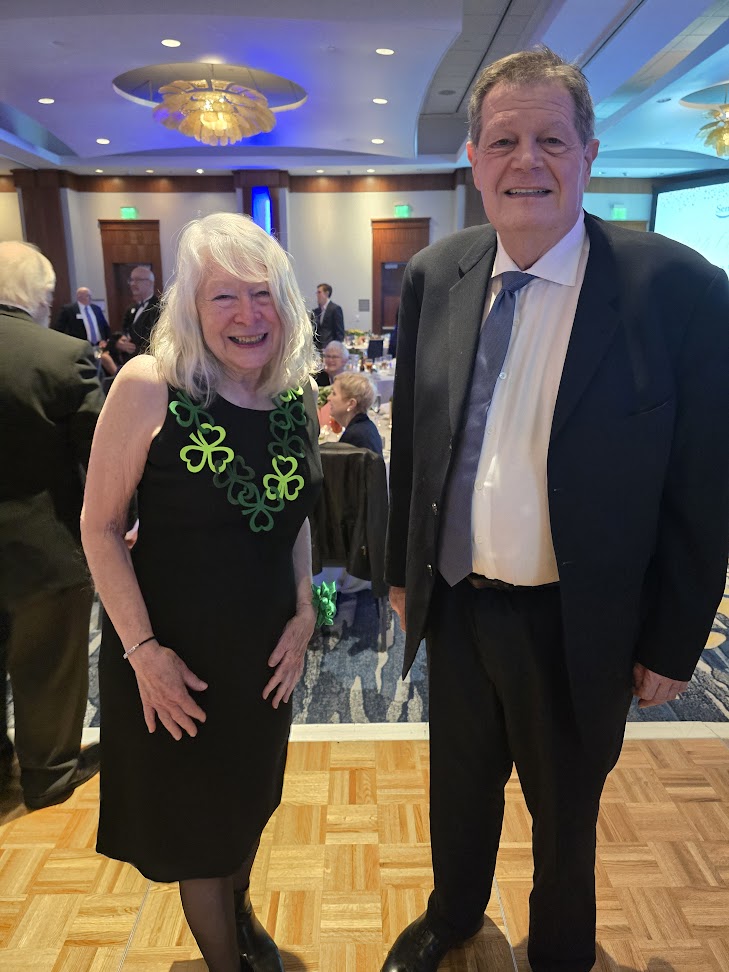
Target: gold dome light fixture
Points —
{"points": [[213, 110], [715, 101]]}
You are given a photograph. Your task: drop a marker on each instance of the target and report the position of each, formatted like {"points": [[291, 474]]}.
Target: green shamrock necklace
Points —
{"points": [[232, 473]]}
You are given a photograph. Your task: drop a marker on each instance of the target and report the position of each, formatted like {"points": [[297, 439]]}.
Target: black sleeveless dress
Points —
{"points": [[224, 493]]}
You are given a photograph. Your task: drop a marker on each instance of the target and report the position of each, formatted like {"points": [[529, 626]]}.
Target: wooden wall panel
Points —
{"points": [[624, 186], [40, 199], [414, 182], [393, 241], [151, 183], [7, 184], [127, 241]]}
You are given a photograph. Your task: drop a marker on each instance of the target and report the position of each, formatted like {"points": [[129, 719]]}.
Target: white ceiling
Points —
{"points": [[635, 53]]}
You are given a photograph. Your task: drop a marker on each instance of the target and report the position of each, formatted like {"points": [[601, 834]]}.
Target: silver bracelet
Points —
{"points": [[129, 651]]}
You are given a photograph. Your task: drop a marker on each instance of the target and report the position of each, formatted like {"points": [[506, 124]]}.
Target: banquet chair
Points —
{"points": [[349, 522]]}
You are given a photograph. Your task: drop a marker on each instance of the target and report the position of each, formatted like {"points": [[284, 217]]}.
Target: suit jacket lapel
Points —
{"points": [[596, 319], [465, 313]]}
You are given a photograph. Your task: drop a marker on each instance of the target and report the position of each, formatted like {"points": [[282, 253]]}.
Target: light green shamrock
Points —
{"points": [[285, 484], [208, 450]]}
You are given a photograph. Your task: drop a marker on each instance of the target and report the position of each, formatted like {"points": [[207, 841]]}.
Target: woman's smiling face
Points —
{"points": [[239, 322]]}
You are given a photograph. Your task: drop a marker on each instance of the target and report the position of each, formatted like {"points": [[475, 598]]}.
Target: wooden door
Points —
{"points": [[394, 241], [127, 243]]}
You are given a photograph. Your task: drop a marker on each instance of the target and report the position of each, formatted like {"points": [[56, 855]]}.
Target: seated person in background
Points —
{"points": [[351, 396], [336, 357], [119, 349]]}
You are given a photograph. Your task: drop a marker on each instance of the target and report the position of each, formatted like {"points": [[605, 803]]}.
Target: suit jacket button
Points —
{"points": [[434, 508], [429, 568]]}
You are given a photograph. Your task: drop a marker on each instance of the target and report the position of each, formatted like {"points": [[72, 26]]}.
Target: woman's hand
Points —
{"points": [[288, 655], [164, 679]]}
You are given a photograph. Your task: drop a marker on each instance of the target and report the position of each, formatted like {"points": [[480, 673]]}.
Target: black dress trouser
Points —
{"points": [[499, 695]]}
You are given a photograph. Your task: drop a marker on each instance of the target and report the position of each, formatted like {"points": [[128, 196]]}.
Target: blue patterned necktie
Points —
{"points": [[455, 555], [91, 325]]}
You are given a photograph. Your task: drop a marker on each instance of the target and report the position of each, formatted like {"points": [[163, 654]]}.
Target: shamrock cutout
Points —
{"points": [[236, 474], [286, 484], [289, 445], [186, 412], [207, 450]]}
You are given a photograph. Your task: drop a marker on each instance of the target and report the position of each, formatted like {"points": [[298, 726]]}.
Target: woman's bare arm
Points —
{"points": [[132, 416]]}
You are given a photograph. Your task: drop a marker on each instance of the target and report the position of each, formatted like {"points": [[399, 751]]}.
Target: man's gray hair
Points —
{"points": [[525, 68], [27, 279]]}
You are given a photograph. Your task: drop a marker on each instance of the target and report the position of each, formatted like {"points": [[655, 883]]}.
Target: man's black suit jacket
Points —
{"points": [[140, 330], [638, 463], [329, 326], [50, 399], [70, 321]]}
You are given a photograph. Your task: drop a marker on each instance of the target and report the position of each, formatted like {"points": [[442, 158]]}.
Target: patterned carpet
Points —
{"points": [[349, 678]]}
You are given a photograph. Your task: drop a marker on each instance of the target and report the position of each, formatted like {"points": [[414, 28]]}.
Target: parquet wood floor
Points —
{"points": [[344, 865]]}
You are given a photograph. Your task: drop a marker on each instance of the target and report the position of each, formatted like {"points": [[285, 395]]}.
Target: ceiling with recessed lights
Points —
{"points": [[363, 110]]}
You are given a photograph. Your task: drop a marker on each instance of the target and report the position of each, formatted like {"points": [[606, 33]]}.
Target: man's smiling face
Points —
{"points": [[530, 165]]}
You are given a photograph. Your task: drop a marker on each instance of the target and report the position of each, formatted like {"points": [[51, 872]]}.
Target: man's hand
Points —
{"points": [[654, 689], [397, 602]]}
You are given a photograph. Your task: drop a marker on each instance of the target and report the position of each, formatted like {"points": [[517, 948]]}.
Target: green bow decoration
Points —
{"points": [[324, 600]]}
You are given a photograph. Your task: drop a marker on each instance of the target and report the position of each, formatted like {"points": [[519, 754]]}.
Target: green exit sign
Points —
{"points": [[618, 212], [128, 212], [403, 211]]}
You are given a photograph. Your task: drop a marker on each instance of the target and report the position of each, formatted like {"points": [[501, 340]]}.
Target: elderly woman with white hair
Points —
{"points": [[211, 613], [335, 357]]}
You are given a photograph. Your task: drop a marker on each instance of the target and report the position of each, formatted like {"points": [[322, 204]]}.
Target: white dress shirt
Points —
{"points": [[511, 535]]}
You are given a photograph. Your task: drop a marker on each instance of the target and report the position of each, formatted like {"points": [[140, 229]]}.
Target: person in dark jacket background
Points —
{"points": [[50, 399], [350, 398]]}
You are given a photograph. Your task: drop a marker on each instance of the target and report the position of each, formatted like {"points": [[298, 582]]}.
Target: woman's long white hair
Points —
{"points": [[237, 245]]}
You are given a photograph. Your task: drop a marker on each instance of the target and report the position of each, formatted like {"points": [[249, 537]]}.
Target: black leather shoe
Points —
{"points": [[258, 951], [417, 949], [88, 766]]}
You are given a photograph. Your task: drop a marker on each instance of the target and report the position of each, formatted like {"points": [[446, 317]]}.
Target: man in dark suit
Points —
{"points": [[83, 319], [141, 317], [50, 399], [327, 318], [559, 502]]}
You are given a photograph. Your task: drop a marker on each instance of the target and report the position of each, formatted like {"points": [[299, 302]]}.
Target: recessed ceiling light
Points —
{"points": [[319, 171], [199, 171], [99, 171], [380, 101], [385, 51], [370, 170], [377, 141], [149, 171], [102, 141], [169, 42], [46, 101]]}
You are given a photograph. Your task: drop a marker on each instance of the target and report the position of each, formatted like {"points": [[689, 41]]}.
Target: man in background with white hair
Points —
{"points": [[84, 320], [50, 399]]}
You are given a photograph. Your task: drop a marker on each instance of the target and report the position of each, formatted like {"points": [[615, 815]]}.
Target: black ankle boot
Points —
{"points": [[257, 949]]}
